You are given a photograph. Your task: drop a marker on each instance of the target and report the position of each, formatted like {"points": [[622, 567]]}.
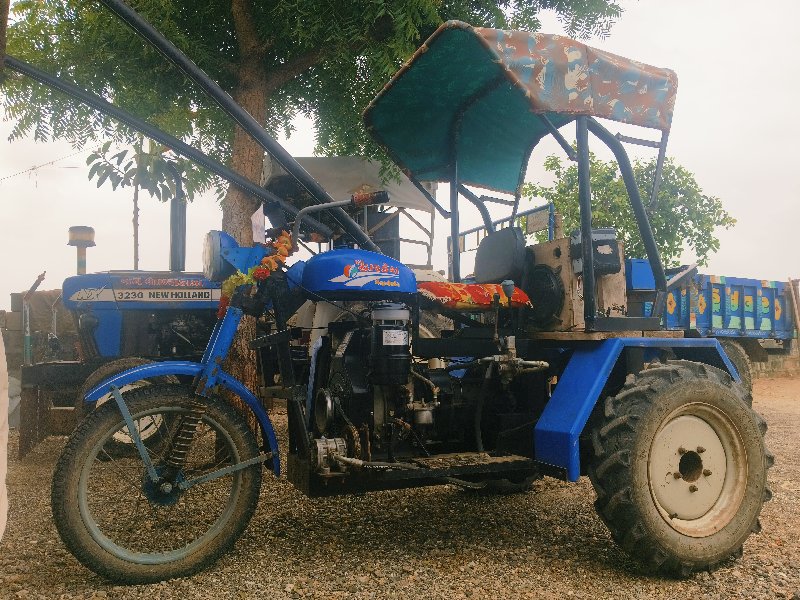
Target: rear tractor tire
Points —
{"points": [[740, 359], [679, 467]]}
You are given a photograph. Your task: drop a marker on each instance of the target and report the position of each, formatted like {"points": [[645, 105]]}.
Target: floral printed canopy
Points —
{"points": [[475, 94]]}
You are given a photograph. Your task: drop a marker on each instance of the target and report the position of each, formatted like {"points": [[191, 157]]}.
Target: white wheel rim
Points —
{"points": [[697, 469]]}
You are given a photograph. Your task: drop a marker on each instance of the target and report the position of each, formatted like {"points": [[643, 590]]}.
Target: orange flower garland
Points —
{"points": [[269, 264]]}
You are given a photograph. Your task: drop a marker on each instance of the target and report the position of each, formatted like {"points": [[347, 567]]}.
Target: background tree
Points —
{"points": [[322, 58], [682, 216]]}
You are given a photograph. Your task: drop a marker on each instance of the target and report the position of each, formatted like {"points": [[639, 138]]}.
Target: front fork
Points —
{"points": [[167, 477]]}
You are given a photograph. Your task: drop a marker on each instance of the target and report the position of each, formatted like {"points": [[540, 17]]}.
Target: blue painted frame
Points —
{"points": [[557, 432]]}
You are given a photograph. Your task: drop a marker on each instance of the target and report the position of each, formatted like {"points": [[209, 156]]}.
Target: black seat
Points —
{"points": [[500, 256]]}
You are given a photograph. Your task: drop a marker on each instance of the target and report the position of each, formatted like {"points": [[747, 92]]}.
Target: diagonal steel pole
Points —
{"points": [[150, 34]]}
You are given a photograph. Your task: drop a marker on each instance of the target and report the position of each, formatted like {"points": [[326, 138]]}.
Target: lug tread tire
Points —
{"points": [[741, 360], [613, 436], [64, 491]]}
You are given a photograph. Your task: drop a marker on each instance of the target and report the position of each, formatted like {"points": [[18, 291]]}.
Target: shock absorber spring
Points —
{"points": [[181, 441]]}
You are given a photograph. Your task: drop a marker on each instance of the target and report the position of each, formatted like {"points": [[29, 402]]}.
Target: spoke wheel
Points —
{"points": [[679, 467], [121, 524]]}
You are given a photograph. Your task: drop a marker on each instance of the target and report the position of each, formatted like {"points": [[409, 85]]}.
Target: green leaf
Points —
{"points": [[94, 169]]}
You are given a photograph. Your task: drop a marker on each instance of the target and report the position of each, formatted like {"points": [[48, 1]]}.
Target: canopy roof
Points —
{"points": [[476, 94], [343, 176]]}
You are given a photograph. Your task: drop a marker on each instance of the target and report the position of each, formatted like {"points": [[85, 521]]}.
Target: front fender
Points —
{"points": [[557, 432], [179, 367]]}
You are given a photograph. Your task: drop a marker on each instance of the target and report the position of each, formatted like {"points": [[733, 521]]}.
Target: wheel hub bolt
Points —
{"points": [[706, 472], [681, 450], [700, 449], [692, 488]]}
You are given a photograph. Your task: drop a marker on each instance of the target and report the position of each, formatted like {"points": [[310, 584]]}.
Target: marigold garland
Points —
{"points": [[269, 264]]}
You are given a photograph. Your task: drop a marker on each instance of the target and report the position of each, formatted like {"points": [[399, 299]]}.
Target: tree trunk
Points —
{"points": [[254, 87], [247, 159]]}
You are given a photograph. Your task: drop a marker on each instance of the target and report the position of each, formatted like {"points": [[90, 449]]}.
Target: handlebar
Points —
{"points": [[356, 200]]}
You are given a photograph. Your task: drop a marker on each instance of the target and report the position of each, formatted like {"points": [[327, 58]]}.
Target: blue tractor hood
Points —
{"points": [[140, 290]]}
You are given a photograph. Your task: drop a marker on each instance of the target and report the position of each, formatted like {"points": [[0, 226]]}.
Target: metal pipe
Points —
{"points": [[585, 200], [479, 204], [477, 418], [149, 33], [309, 209], [177, 223], [645, 231], [27, 350], [429, 383], [662, 153], [363, 464], [193, 154], [559, 138]]}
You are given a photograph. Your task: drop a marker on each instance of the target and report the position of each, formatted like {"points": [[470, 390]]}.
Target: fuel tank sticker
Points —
{"points": [[360, 274]]}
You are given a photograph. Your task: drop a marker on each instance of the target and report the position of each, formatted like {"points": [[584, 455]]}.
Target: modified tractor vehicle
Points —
{"points": [[537, 368]]}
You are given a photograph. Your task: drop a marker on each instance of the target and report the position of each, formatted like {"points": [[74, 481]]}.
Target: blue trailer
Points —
{"points": [[751, 317]]}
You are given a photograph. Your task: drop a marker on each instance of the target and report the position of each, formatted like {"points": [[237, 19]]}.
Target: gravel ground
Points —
{"points": [[430, 543]]}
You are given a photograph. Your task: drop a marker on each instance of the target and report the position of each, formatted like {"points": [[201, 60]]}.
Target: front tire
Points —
{"points": [[679, 467], [125, 528]]}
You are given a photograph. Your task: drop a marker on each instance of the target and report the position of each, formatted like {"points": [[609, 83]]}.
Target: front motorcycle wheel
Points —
{"points": [[122, 525]]}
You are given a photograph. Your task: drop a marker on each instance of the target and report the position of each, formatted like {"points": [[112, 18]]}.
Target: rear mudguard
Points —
{"points": [[175, 367], [557, 432]]}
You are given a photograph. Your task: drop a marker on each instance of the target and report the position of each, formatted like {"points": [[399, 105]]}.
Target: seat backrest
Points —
{"points": [[500, 256]]}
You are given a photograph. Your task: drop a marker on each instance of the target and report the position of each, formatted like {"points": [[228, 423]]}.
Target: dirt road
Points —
{"points": [[430, 543]]}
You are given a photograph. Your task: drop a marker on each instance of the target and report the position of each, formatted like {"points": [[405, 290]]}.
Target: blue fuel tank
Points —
{"points": [[349, 274]]}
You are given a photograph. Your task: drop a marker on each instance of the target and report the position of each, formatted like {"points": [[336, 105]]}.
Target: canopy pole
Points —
{"points": [[585, 200], [423, 190], [662, 152], [455, 251], [479, 204], [639, 212]]}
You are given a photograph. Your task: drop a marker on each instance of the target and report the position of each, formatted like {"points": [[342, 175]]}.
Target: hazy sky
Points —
{"points": [[735, 127]]}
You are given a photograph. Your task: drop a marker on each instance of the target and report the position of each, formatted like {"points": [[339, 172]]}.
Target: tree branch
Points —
{"points": [[287, 71]]}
